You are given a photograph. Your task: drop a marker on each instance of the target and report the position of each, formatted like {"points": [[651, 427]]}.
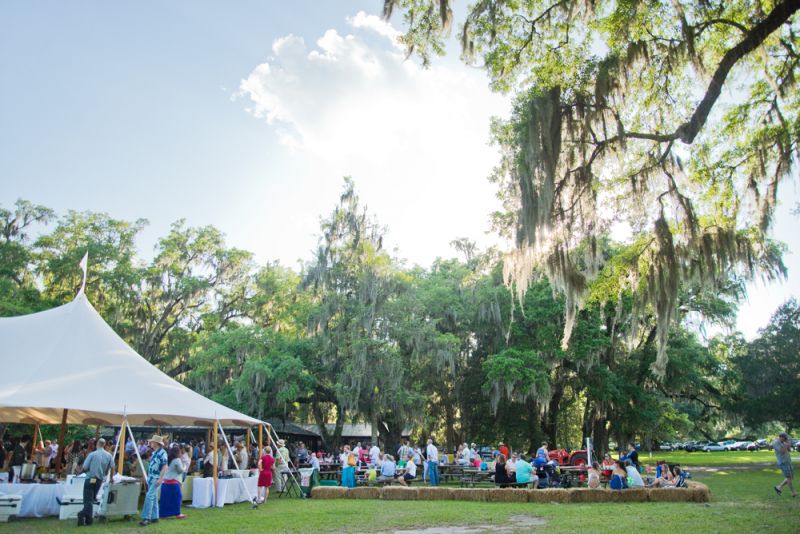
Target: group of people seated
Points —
{"points": [[626, 473]]}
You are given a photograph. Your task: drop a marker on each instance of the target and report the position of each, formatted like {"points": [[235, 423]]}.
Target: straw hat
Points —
{"points": [[157, 439], [280, 443]]}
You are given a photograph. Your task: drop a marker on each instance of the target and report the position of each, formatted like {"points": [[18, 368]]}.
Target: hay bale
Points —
{"points": [[668, 495], [549, 495], [507, 495], [364, 493], [698, 492], [633, 495], [328, 492], [470, 494], [587, 495], [399, 493], [434, 494]]}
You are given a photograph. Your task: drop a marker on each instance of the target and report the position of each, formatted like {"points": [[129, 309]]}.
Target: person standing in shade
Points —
{"points": [[155, 476], [19, 456], [96, 465], [783, 453], [433, 463]]}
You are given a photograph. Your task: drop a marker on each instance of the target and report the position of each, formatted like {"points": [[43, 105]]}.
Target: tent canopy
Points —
{"points": [[68, 357]]}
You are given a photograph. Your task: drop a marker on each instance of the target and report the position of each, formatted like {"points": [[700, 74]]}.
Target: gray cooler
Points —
{"points": [[120, 500]]}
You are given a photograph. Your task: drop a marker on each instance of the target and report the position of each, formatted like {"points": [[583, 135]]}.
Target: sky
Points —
{"points": [[247, 115]]}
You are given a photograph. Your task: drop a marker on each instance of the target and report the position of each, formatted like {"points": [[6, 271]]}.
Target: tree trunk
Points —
{"points": [[550, 425]]}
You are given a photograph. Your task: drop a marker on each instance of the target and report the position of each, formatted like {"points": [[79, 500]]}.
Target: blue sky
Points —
{"points": [[246, 115]]}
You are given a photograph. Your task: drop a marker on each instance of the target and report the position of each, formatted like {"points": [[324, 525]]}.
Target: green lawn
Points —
{"points": [[713, 458], [742, 500]]}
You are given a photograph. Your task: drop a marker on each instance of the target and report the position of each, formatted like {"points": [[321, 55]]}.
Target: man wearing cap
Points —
{"points": [[96, 465], [783, 453], [155, 476]]}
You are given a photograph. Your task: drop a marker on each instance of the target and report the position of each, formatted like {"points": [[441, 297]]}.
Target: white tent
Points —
{"points": [[69, 358]]}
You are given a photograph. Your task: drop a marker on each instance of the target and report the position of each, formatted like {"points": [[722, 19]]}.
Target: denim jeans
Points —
{"points": [[433, 473], [150, 507]]}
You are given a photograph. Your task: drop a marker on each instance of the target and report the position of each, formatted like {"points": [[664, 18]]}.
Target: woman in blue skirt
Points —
{"points": [[170, 504]]}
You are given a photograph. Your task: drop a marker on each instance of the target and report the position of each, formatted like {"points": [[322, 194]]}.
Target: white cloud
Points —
{"points": [[414, 140]]}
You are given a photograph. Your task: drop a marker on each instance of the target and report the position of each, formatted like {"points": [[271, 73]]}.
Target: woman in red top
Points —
{"points": [[265, 464]]}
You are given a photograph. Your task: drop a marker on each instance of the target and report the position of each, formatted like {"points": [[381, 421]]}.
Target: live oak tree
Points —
{"points": [[674, 120]]}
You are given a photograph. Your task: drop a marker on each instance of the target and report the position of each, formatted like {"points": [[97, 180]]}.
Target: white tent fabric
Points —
{"points": [[68, 357]]}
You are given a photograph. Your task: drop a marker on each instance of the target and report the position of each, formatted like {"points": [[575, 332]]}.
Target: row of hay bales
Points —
{"points": [[696, 492]]}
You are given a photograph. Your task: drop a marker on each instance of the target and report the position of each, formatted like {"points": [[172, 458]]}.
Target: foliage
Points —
{"points": [[619, 120], [769, 368]]}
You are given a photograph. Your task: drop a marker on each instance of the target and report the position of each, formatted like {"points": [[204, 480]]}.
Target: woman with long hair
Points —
{"points": [[171, 497]]}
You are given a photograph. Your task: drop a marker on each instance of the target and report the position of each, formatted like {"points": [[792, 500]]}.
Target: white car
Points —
{"points": [[714, 447]]}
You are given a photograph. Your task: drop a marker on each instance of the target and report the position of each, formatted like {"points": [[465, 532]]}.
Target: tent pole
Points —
{"points": [[236, 464], [135, 448], [33, 441], [61, 435], [247, 442], [122, 448], [260, 443], [97, 432], [216, 462]]}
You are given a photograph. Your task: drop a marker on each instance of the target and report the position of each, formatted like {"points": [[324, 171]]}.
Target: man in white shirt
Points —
{"points": [[433, 463], [375, 454]]}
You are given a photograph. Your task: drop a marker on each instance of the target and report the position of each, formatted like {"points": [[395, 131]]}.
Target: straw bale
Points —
{"points": [[670, 495], [364, 493], [507, 495], [586, 495], [328, 492], [434, 494], [549, 495], [399, 493], [699, 492], [470, 494], [632, 495]]}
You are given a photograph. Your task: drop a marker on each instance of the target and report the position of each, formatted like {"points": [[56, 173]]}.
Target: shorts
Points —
{"points": [[786, 468], [408, 477]]}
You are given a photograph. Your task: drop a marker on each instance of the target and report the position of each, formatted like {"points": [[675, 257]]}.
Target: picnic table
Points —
{"points": [[473, 476], [451, 472]]}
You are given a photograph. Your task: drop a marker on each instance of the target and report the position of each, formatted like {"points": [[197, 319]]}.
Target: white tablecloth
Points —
{"points": [[229, 490], [38, 500]]}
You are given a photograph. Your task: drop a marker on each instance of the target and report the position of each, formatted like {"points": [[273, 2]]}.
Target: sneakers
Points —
{"points": [[777, 490], [144, 522]]}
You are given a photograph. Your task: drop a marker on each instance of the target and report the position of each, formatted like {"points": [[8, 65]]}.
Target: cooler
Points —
{"points": [[122, 500], [9, 506]]}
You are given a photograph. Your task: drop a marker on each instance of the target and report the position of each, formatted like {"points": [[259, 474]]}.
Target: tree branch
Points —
{"points": [[688, 131]]}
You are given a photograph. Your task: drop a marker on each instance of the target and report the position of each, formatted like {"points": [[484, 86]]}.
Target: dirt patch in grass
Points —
{"points": [[516, 523]]}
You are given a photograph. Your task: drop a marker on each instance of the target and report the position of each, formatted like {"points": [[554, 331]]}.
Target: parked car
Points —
{"points": [[729, 444], [694, 446], [762, 443], [665, 446], [752, 446], [714, 447]]}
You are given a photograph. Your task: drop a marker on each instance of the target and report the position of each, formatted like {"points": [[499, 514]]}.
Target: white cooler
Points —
{"points": [[9, 506], [69, 506]]}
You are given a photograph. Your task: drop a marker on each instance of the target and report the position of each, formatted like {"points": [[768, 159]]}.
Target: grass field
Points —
{"points": [[713, 458], [742, 500]]}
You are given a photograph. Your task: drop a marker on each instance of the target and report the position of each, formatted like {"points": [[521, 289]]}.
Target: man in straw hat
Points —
{"points": [[155, 475]]}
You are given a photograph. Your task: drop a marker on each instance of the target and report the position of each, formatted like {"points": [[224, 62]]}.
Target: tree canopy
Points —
{"points": [[675, 121]]}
